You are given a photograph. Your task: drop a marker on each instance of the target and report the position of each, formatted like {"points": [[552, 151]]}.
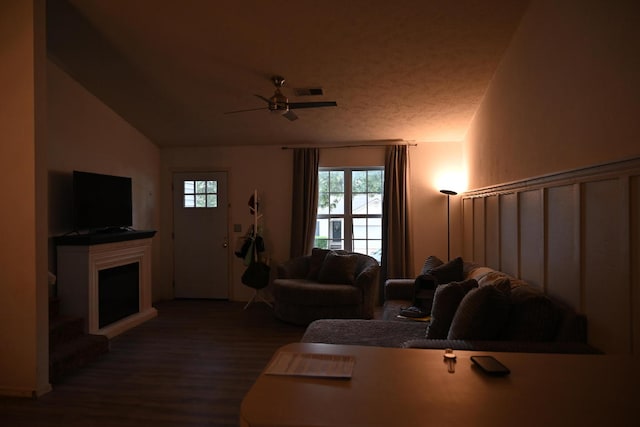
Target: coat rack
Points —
{"points": [[257, 273], [256, 215]]}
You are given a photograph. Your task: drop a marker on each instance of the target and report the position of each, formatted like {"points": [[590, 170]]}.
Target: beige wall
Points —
{"points": [[265, 169], [434, 166], [86, 135], [566, 94], [565, 97], [575, 236], [23, 288], [269, 170]]}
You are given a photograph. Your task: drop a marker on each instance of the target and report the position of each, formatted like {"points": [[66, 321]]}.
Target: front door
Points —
{"points": [[200, 239]]}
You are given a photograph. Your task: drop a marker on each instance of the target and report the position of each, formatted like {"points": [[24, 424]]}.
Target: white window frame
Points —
{"points": [[347, 216], [194, 198]]}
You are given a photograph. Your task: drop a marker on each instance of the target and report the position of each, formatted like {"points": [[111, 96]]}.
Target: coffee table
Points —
{"points": [[411, 387]]}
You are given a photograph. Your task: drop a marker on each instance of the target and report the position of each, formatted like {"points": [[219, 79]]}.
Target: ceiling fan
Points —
{"points": [[280, 103]]}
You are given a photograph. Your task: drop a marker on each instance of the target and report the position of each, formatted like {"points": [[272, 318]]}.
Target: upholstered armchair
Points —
{"points": [[326, 285]]}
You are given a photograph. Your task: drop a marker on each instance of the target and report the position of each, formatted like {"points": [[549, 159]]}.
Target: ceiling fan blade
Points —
{"points": [[244, 111], [316, 104], [267, 100], [279, 102], [290, 115]]}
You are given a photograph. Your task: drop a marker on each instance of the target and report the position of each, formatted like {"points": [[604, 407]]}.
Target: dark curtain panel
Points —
{"points": [[396, 228], [304, 204]]}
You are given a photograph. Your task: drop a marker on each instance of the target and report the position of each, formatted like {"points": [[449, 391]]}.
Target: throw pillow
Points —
{"points": [[423, 290], [425, 281], [492, 278], [340, 269], [533, 316], [481, 315], [449, 272], [431, 263], [317, 258], [503, 283], [445, 303]]}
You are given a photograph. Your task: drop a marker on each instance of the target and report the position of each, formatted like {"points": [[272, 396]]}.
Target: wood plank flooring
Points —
{"points": [[191, 366]]}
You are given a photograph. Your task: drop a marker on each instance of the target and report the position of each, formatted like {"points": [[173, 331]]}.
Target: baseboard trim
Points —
{"points": [[27, 393]]}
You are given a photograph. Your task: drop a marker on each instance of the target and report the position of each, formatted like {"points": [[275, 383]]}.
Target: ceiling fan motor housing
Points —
{"points": [[279, 102]]}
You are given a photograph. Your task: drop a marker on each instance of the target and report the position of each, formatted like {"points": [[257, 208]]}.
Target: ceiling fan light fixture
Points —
{"points": [[290, 115]]}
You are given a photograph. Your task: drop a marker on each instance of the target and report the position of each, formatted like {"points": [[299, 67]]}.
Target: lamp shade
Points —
{"points": [[448, 192]]}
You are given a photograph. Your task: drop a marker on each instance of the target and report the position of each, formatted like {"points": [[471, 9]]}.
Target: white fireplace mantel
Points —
{"points": [[79, 266]]}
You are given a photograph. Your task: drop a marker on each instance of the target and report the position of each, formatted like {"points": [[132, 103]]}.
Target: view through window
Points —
{"points": [[350, 210], [200, 194]]}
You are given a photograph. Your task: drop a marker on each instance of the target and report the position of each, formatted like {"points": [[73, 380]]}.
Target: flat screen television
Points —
{"points": [[101, 202]]}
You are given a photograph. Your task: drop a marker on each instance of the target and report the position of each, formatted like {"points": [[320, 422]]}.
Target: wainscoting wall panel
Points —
{"points": [[563, 244], [492, 221], [509, 234], [479, 227], [606, 264], [635, 261], [468, 230], [532, 236], [574, 235]]}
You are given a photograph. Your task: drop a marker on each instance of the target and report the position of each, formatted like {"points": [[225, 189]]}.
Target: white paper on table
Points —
{"points": [[312, 365]]}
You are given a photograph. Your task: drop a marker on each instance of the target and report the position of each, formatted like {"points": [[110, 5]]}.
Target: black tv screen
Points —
{"points": [[101, 202]]}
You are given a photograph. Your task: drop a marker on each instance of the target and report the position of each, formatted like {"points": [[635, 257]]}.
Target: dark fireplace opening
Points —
{"points": [[118, 293]]}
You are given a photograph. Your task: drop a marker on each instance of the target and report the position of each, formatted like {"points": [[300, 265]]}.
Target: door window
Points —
{"points": [[200, 194]]}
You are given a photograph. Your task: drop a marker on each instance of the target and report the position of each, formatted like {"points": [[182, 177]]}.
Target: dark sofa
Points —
{"points": [[326, 284], [497, 313]]}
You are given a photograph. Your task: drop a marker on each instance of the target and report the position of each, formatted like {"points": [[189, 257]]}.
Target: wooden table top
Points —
{"points": [[411, 387]]}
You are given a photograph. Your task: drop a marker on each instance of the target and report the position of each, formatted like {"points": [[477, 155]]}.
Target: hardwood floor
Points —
{"points": [[191, 366]]}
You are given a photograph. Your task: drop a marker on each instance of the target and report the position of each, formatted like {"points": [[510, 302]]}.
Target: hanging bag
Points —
{"points": [[243, 245], [256, 275]]}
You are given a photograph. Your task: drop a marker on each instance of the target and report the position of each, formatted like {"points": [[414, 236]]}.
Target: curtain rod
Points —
{"points": [[355, 145]]}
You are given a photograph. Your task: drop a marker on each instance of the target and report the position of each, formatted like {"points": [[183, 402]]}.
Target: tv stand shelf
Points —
{"points": [[82, 259]]}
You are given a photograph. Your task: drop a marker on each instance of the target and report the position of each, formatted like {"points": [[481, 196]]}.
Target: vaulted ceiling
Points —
{"points": [[414, 70]]}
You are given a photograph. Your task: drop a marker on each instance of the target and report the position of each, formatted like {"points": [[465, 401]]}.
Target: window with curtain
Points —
{"points": [[349, 212]]}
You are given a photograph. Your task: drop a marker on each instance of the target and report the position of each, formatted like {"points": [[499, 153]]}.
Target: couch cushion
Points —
{"points": [[379, 333], [445, 303], [481, 315], [338, 268], [572, 327], [307, 292], [317, 258], [533, 316], [449, 272]]}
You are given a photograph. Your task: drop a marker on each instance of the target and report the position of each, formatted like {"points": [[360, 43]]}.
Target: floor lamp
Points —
{"points": [[449, 193]]}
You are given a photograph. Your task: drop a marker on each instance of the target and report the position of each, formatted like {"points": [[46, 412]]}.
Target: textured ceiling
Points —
{"points": [[407, 69]]}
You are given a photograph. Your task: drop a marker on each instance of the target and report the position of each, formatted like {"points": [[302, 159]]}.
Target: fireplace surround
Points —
{"points": [[106, 279]]}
